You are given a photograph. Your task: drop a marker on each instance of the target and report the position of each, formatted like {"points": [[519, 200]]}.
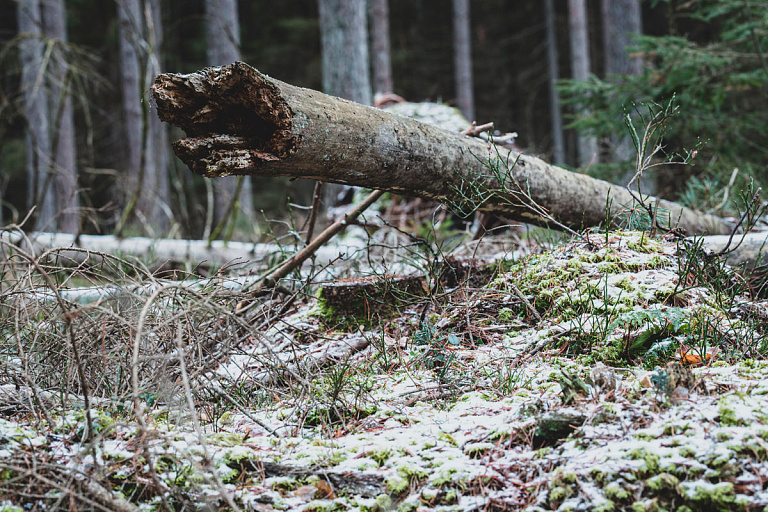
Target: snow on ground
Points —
{"points": [[421, 420]]}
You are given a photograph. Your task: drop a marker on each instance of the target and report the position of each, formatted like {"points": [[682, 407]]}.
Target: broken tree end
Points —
{"points": [[233, 115]]}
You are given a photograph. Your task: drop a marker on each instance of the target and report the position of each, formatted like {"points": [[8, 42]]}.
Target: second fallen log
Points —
{"points": [[239, 121]]}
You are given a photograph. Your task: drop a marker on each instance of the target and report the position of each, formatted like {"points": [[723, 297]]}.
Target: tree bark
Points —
{"points": [[586, 146], [346, 61], [380, 46], [129, 30], [239, 121], [344, 40], [146, 167], [223, 39], [158, 203], [63, 133], [462, 58], [556, 115], [621, 20], [38, 140]]}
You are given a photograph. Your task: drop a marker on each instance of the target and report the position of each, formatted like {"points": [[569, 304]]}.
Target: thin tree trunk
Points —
{"points": [[344, 40], [130, 20], [554, 76], [284, 130], [65, 164], [157, 204], [147, 187], [621, 20], [346, 64], [580, 68], [223, 39], [380, 47], [462, 58], [38, 141]]}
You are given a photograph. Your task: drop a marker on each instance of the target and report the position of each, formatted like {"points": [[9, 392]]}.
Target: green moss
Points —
{"points": [[397, 485], [656, 261], [324, 506], [615, 492], [723, 436], [283, 483], [408, 506], [382, 503], [662, 482], [651, 461], [477, 450], [720, 496], [559, 494], [598, 476], [448, 438], [606, 506], [644, 244], [412, 473], [727, 415], [506, 315], [562, 486]]}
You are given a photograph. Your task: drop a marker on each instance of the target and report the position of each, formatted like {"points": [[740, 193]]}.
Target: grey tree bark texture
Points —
{"points": [[462, 59], [586, 146], [130, 21], [62, 121], [158, 202], [621, 20], [283, 130], [146, 166], [38, 141], [344, 41], [381, 60], [556, 115], [222, 29], [346, 61]]}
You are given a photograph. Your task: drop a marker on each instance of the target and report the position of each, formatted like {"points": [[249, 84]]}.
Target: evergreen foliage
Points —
{"points": [[714, 63]]}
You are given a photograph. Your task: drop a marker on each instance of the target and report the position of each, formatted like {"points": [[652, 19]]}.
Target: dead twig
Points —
{"points": [[300, 257]]}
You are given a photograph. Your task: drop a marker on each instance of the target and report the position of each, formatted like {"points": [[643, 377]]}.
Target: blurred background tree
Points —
{"points": [[711, 57]]}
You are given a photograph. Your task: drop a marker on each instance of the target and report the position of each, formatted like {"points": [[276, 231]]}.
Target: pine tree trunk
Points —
{"points": [[346, 65], [462, 58], [554, 75], [380, 46], [344, 40], [580, 68], [130, 20], [223, 39], [63, 134], [157, 204], [282, 130], [621, 20], [146, 165], [38, 141]]}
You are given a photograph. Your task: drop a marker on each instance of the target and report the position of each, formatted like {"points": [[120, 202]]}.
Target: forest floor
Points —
{"points": [[615, 371]]}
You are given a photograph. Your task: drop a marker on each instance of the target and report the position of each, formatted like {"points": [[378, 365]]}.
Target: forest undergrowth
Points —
{"points": [[608, 371]]}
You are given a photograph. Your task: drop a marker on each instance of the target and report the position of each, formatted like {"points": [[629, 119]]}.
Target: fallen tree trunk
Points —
{"points": [[239, 121], [157, 252]]}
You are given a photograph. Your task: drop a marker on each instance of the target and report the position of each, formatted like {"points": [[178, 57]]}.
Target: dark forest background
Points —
{"points": [[511, 82]]}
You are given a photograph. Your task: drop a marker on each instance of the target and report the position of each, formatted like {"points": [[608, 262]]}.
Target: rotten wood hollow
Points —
{"points": [[240, 121]]}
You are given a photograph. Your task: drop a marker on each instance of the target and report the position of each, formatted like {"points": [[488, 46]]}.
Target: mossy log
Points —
{"points": [[240, 121]]}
